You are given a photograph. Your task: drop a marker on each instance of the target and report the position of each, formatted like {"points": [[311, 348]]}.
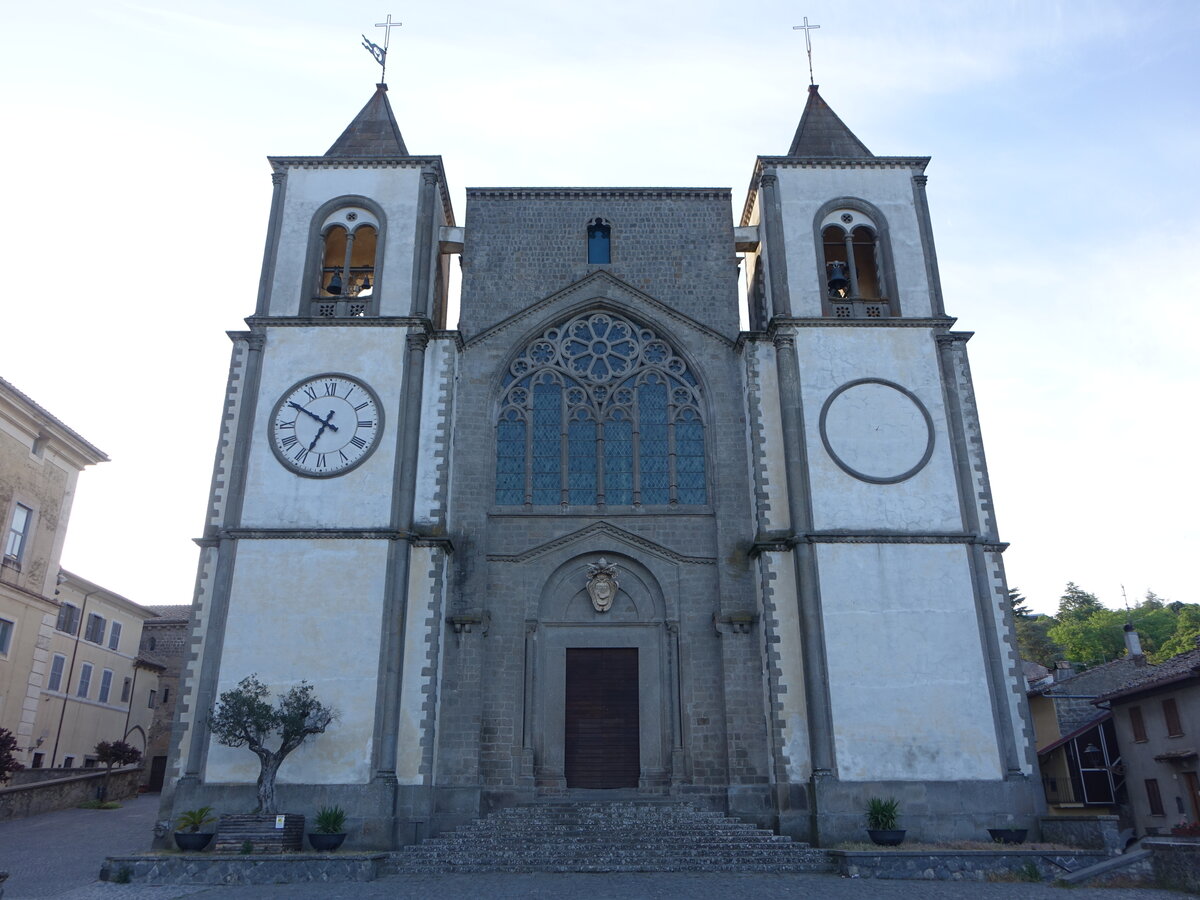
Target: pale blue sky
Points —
{"points": [[1064, 139]]}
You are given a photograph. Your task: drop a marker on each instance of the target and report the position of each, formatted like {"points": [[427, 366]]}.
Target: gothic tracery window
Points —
{"points": [[600, 411]]}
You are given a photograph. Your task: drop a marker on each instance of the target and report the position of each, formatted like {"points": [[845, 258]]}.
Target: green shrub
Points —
{"points": [[330, 820], [882, 814]]}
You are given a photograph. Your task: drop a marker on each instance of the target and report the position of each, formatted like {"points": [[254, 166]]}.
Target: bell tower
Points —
{"points": [[879, 558], [319, 558]]}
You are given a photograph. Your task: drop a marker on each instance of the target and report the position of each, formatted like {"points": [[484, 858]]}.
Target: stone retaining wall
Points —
{"points": [[211, 868], [23, 800], [1176, 863], [961, 865], [1089, 832]]}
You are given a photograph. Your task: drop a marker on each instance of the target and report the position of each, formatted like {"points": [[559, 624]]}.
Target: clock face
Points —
{"points": [[326, 425]]}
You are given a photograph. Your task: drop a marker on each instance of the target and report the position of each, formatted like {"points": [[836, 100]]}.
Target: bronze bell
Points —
{"points": [[335, 284], [838, 282]]}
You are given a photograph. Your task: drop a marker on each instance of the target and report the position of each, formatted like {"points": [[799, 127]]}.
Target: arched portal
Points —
{"points": [[605, 689]]}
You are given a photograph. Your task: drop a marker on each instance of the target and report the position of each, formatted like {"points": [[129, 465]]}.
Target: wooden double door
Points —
{"points": [[602, 747]]}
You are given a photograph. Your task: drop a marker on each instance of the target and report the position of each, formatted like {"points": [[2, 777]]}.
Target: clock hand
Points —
{"points": [[324, 422]]}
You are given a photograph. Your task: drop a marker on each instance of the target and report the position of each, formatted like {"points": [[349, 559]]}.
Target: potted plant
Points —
{"points": [[187, 828], [881, 821], [330, 829]]}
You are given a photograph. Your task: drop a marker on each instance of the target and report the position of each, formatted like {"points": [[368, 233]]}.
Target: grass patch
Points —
{"points": [[99, 804]]}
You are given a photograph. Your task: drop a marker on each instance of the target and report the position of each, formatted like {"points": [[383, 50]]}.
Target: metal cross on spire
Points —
{"points": [[806, 28], [380, 53]]}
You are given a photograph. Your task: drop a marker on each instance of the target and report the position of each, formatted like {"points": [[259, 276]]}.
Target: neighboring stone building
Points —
{"points": [[1078, 750], [1157, 716], [40, 462], [597, 537], [97, 688], [164, 638]]}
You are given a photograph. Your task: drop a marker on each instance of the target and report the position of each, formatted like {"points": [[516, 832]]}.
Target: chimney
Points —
{"points": [[1063, 669], [1133, 645]]}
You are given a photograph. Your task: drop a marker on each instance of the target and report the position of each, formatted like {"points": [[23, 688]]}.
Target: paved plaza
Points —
{"points": [[59, 854]]}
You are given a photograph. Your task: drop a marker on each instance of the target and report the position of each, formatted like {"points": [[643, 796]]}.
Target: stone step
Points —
{"points": [[619, 836]]}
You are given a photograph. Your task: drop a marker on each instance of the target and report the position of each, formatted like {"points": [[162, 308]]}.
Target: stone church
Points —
{"points": [[594, 539]]}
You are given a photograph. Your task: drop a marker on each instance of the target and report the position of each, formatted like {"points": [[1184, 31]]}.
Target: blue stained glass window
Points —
{"points": [[581, 455], [618, 462], [652, 409], [612, 372], [689, 460], [510, 463], [547, 444]]}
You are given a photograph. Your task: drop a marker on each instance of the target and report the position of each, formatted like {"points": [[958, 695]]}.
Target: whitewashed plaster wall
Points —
{"points": [[802, 191], [907, 681], [888, 436], [307, 610], [394, 189], [278, 498]]}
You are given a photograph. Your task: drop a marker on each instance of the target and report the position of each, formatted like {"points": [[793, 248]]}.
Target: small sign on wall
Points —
{"points": [[279, 821]]}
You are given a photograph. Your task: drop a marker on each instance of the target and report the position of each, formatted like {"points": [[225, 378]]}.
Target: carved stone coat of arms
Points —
{"points": [[602, 584]]}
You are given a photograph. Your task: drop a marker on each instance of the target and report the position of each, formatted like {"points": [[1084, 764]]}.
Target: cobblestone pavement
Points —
{"points": [[50, 854], [658, 886], [58, 855]]}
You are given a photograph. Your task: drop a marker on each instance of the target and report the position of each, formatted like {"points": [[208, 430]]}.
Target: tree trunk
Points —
{"points": [[266, 783], [104, 784]]}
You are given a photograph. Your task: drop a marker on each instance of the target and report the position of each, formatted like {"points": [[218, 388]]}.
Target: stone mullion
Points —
{"points": [[672, 477], [564, 459], [599, 460], [636, 440], [529, 445], [851, 268]]}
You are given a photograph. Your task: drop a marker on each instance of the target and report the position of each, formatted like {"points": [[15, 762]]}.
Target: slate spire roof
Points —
{"points": [[821, 134], [373, 133]]}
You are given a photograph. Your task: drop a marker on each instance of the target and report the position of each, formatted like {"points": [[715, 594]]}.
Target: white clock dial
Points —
{"points": [[326, 425]]}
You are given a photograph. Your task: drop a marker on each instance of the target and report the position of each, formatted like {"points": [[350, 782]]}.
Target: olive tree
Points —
{"points": [[243, 717]]}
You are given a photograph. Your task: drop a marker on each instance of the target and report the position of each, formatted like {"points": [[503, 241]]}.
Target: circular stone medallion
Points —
{"points": [[877, 431]]}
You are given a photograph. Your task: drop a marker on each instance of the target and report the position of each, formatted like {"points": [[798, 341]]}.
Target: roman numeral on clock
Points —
{"points": [[358, 442]]}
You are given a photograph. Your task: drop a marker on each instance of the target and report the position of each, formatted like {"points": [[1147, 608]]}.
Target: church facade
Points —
{"points": [[598, 537]]}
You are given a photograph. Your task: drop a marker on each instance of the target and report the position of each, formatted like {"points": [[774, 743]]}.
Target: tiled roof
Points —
{"points": [[180, 611], [373, 133], [40, 410], [821, 134], [1096, 680], [1183, 667]]}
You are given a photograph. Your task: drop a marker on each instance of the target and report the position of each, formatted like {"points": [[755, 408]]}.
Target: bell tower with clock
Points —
{"points": [[321, 552]]}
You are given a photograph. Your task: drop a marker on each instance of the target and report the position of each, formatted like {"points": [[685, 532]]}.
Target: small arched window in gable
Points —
{"points": [[599, 242], [853, 254], [600, 412], [348, 254]]}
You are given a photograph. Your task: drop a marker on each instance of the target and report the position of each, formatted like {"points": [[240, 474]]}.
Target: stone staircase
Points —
{"points": [[609, 836]]}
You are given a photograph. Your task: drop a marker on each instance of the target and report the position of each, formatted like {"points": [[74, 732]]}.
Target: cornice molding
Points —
{"points": [[608, 530], [781, 542], [609, 193], [257, 322]]}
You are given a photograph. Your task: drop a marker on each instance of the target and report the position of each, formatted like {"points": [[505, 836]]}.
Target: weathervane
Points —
{"points": [[380, 53], [806, 28]]}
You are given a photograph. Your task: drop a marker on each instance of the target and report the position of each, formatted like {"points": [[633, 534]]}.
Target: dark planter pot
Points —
{"points": [[192, 841], [325, 843], [886, 837], [1008, 835]]}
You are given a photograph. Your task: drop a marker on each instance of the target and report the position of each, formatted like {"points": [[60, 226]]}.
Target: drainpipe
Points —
{"points": [[70, 675]]}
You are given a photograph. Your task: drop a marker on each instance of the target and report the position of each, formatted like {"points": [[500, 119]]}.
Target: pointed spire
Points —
{"points": [[821, 134], [373, 133]]}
